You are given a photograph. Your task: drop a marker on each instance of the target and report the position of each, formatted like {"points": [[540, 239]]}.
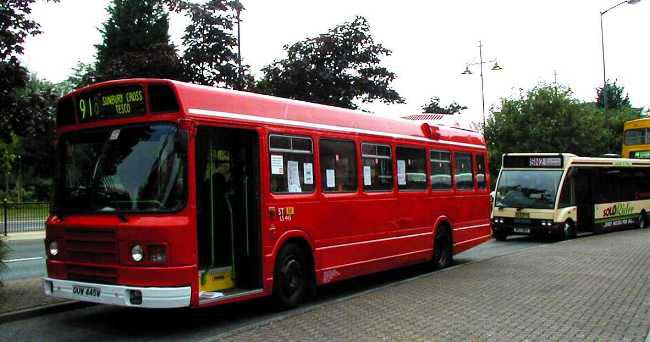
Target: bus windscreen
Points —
{"points": [[533, 189]]}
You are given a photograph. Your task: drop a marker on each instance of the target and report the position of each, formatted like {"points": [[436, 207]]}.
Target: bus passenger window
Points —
{"points": [[377, 167], [338, 166], [292, 164], [480, 171], [440, 170], [463, 175], [411, 168]]}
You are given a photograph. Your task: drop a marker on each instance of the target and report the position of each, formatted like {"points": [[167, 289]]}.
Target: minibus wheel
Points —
{"points": [[291, 277], [643, 220], [500, 236], [442, 249], [568, 231]]}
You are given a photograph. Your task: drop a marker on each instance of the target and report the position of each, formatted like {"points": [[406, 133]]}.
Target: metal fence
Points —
{"points": [[23, 217]]}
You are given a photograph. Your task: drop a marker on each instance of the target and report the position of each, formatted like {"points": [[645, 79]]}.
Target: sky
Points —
{"points": [[432, 41]]}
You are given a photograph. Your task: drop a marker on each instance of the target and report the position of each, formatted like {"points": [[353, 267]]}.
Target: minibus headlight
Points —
{"points": [[53, 248], [137, 253]]}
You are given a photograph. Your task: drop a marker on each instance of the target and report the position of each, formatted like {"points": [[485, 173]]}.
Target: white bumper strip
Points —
{"points": [[152, 297]]}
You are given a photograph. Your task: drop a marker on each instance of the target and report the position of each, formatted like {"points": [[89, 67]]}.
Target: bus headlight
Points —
{"points": [[137, 253], [53, 248], [157, 253]]}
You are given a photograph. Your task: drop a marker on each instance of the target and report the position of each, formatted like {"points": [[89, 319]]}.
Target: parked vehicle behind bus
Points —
{"points": [[636, 139], [561, 194], [171, 195]]}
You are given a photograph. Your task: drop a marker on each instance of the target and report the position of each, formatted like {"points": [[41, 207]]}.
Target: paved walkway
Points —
{"points": [[23, 294], [595, 288], [39, 235]]}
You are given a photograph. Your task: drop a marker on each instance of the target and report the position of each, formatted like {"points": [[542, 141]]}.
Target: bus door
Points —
{"points": [[584, 199], [227, 166]]}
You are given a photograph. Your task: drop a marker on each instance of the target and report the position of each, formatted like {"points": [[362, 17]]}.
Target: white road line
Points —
{"points": [[22, 259]]}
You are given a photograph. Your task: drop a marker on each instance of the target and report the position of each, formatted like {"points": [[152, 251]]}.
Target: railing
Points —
{"points": [[23, 217]]}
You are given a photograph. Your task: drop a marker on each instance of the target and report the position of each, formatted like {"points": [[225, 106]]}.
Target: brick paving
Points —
{"points": [[595, 288], [24, 294]]}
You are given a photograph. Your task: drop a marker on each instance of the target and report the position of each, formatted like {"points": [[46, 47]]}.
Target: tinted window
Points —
{"points": [[162, 99], [338, 167], [411, 168], [480, 172], [292, 164], [635, 137], [377, 167], [463, 175], [440, 170]]}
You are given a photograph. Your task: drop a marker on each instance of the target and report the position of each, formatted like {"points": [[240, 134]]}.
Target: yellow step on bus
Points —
{"points": [[561, 194], [636, 139]]}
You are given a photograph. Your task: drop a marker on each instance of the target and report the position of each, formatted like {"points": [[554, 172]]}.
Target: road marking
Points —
{"points": [[23, 259]]}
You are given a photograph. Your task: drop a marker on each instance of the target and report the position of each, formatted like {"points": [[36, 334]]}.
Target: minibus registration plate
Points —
{"points": [[86, 291], [522, 230]]}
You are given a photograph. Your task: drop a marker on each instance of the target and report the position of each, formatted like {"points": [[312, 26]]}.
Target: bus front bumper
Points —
{"points": [[533, 229], [144, 297]]}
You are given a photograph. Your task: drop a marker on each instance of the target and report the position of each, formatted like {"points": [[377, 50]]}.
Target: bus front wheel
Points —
{"points": [[643, 220], [291, 277], [568, 231], [500, 235]]}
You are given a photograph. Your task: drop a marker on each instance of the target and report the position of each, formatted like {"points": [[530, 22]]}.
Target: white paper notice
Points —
{"points": [[330, 176], [401, 172], [308, 173], [367, 176], [277, 165], [293, 176]]}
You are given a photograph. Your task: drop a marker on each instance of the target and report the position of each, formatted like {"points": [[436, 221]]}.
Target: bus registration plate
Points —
{"points": [[522, 230], [86, 291]]}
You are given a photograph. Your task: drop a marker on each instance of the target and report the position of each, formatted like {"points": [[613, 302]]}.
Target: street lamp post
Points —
{"points": [[602, 42], [496, 67], [240, 80]]}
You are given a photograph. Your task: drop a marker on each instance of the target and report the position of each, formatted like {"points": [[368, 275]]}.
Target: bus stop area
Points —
{"points": [[594, 288]]}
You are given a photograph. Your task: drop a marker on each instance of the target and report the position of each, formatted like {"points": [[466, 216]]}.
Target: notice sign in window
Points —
{"points": [[110, 103]]}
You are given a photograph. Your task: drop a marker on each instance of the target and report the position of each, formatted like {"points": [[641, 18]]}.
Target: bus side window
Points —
{"points": [[567, 195], [377, 167], [338, 166], [480, 171], [411, 168], [292, 164], [440, 170], [464, 171]]}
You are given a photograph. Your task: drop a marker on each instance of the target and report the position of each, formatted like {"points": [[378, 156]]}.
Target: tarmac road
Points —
{"points": [[116, 323]]}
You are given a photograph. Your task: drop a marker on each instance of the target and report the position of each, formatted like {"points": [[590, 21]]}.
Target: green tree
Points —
{"points": [[82, 75], [335, 68], [434, 107], [210, 55], [135, 42], [617, 98], [549, 119]]}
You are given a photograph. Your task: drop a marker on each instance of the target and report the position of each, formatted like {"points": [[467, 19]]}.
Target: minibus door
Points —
{"points": [[584, 200]]}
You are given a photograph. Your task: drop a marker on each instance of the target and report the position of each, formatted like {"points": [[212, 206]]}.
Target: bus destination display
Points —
{"points": [[111, 103], [533, 161]]}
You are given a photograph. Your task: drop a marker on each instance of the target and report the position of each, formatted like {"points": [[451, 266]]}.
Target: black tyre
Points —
{"points": [[568, 231], [442, 249], [292, 277], [643, 220], [500, 236]]}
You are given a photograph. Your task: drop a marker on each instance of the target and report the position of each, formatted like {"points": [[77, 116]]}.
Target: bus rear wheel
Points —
{"points": [[442, 249], [291, 279]]}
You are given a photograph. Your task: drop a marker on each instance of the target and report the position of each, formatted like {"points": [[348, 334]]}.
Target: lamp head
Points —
{"points": [[496, 67], [467, 71], [632, 2]]}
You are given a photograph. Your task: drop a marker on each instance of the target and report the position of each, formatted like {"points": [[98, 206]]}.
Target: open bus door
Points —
{"points": [[228, 219]]}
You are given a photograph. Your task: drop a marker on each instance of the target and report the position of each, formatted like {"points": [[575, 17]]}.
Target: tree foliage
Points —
{"points": [[210, 54], [135, 42], [549, 119], [617, 98], [434, 107], [335, 68]]}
